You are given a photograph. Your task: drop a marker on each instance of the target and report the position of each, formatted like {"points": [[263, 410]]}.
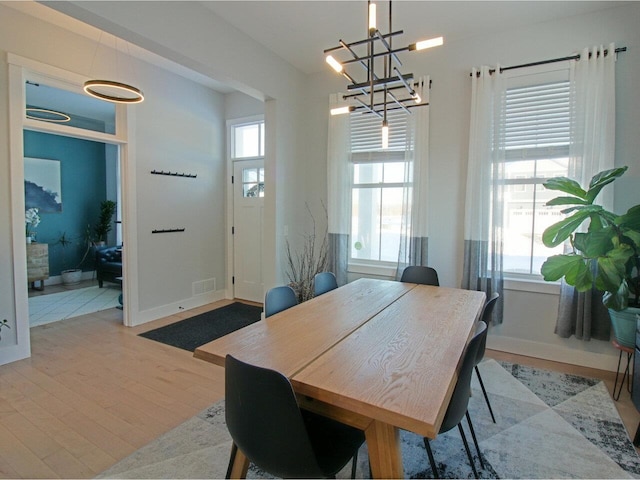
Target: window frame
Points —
{"points": [[365, 150], [535, 76]]}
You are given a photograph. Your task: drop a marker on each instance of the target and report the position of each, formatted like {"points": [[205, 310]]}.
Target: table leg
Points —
{"points": [[240, 464], [385, 454]]}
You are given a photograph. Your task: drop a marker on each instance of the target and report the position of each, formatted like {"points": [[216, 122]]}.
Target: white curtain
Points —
{"points": [[414, 238], [339, 181], [592, 148], [485, 188]]}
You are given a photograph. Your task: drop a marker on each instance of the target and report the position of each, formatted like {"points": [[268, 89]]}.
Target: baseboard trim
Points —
{"points": [[554, 353], [152, 314]]}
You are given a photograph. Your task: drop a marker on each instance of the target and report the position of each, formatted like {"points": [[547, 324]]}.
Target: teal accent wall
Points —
{"points": [[83, 178]]}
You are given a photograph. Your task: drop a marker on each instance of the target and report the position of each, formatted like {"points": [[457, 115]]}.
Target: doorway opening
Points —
{"points": [[62, 258]]}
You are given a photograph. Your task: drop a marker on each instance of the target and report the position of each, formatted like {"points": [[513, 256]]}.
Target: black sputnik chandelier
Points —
{"points": [[385, 87]]}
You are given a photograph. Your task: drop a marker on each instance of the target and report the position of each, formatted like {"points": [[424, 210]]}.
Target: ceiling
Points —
{"points": [[299, 31]]}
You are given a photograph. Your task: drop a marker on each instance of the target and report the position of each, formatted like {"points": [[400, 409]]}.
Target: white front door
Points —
{"points": [[248, 208]]}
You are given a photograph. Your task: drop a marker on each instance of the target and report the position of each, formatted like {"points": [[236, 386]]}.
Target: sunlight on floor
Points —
{"points": [[59, 306]]}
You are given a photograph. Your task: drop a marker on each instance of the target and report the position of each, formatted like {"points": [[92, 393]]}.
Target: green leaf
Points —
{"points": [[619, 299], [592, 209], [583, 278], [594, 244], [557, 266], [633, 236], [631, 219], [612, 268], [560, 231], [566, 185], [606, 177], [566, 201], [600, 180]]}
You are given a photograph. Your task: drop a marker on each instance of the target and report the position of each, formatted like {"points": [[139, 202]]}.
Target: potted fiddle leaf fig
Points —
{"points": [[605, 255]]}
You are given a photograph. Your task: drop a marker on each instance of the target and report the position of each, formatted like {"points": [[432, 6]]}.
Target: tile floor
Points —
{"points": [[68, 303]]}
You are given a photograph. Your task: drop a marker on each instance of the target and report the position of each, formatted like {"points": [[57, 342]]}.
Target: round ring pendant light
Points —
{"points": [[46, 115], [113, 91]]}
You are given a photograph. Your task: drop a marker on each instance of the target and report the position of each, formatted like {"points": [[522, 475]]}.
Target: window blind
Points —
{"points": [[366, 132], [537, 121]]}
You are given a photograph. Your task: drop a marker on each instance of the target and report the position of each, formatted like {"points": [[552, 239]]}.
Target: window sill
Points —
{"points": [[531, 285], [369, 269]]}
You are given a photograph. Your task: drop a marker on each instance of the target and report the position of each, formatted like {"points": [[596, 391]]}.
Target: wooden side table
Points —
{"points": [[37, 264]]}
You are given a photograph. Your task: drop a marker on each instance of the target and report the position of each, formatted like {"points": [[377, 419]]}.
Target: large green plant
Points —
{"points": [[610, 246], [107, 210]]}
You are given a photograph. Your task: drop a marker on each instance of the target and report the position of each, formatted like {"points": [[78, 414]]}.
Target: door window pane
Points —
{"points": [[253, 182]]}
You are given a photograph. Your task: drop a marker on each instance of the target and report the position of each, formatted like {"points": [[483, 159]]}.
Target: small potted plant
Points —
{"points": [[606, 255], [103, 227], [72, 276]]}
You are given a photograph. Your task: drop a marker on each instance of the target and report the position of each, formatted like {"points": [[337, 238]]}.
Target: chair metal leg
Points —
{"points": [[484, 392], [466, 447], [354, 465], [432, 460], [232, 458], [475, 440], [616, 395]]}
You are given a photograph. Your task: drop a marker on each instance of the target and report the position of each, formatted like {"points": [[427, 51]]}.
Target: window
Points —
{"points": [[253, 182], [247, 142], [536, 148], [377, 191]]}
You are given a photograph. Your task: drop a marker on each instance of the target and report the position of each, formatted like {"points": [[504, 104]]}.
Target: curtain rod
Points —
{"points": [[544, 62]]}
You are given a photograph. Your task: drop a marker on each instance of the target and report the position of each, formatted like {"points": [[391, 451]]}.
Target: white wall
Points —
{"points": [[180, 127], [529, 316], [196, 38]]}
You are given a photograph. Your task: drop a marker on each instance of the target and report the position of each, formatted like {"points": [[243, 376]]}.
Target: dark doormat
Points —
{"points": [[192, 332]]}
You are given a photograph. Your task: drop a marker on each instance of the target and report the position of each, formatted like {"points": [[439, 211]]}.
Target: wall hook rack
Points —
{"points": [[174, 174], [168, 230]]}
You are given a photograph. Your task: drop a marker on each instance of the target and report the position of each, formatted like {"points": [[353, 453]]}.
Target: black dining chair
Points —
{"points": [[419, 274], [486, 315], [324, 282], [459, 403], [274, 433], [278, 299]]}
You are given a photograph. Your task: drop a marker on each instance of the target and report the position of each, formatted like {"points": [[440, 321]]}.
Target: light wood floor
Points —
{"points": [[93, 392]]}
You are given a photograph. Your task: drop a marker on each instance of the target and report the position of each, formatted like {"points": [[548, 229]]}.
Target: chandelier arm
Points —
{"points": [[361, 42], [375, 55], [394, 98], [389, 49], [404, 82], [367, 107], [355, 56], [380, 82], [363, 91]]}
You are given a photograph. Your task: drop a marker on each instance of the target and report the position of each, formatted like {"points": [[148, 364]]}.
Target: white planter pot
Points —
{"points": [[71, 277], [624, 325]]}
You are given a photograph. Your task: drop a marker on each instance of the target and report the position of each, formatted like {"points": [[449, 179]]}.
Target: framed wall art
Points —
{"points": [[42, 184]]}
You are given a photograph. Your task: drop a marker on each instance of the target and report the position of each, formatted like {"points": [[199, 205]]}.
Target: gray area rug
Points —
{"points": [[549, 425]]}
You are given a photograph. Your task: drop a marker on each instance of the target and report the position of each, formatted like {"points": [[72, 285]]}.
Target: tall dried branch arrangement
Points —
{"points": [[313, 258]]}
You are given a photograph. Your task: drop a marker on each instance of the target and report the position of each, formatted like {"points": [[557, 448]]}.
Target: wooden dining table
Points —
{"points": [[378, 355]]}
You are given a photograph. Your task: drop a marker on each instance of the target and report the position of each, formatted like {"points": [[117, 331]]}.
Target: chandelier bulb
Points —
{"points": [[341, 110], [334, 63], [430, 43], [385, 135], [372, 18]]}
